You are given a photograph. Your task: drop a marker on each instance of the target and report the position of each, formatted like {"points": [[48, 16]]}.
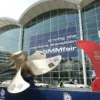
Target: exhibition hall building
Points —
{"points": [[54, 27]]}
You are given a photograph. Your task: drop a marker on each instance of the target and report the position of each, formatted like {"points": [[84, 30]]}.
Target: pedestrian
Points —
{"points": [[61, 83]]}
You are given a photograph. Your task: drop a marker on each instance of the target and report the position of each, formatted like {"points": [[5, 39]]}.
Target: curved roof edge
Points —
{"points": [[43, 6], [7, 21]]}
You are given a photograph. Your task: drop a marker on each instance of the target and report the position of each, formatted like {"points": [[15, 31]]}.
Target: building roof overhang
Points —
{"points": [[4, 21], [43, 6]]}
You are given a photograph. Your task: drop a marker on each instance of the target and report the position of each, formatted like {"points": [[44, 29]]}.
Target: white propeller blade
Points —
{"points": [[43, 66], [17, 84], [37, 55]]}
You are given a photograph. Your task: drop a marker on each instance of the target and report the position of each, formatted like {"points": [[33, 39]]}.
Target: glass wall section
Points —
{"points": [[60, 29], [91, 31], [4, 65], [9, 38], [9, 43], [56, 30]]}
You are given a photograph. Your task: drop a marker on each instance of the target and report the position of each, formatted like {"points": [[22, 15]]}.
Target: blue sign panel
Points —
{"points": [[61, 42], [49, 94]]}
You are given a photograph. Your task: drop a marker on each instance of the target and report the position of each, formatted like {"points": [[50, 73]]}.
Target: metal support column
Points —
{"points": [[20, 39], [82, 52]]}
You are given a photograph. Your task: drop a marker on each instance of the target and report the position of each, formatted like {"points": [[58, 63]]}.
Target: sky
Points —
{"points": [[14, 8]]}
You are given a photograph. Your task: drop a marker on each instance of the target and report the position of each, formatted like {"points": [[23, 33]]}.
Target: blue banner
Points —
{"points": [[61, 42], [49, 94]]}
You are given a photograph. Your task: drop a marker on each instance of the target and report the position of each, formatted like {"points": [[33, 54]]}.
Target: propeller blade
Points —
{"points": [[92, 49], [38, 67], [17, 85], [37, 55]]}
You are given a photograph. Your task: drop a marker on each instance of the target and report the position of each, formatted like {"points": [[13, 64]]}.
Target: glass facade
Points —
{"points": [[9, 38], [43, 31], [9, 43], [52, 25]]}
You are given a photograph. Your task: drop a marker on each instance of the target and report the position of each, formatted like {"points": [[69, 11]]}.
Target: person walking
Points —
{"points": [[61, 83]]}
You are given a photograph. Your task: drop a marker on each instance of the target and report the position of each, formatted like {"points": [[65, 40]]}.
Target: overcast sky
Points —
{"points": [[14, 8]]}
